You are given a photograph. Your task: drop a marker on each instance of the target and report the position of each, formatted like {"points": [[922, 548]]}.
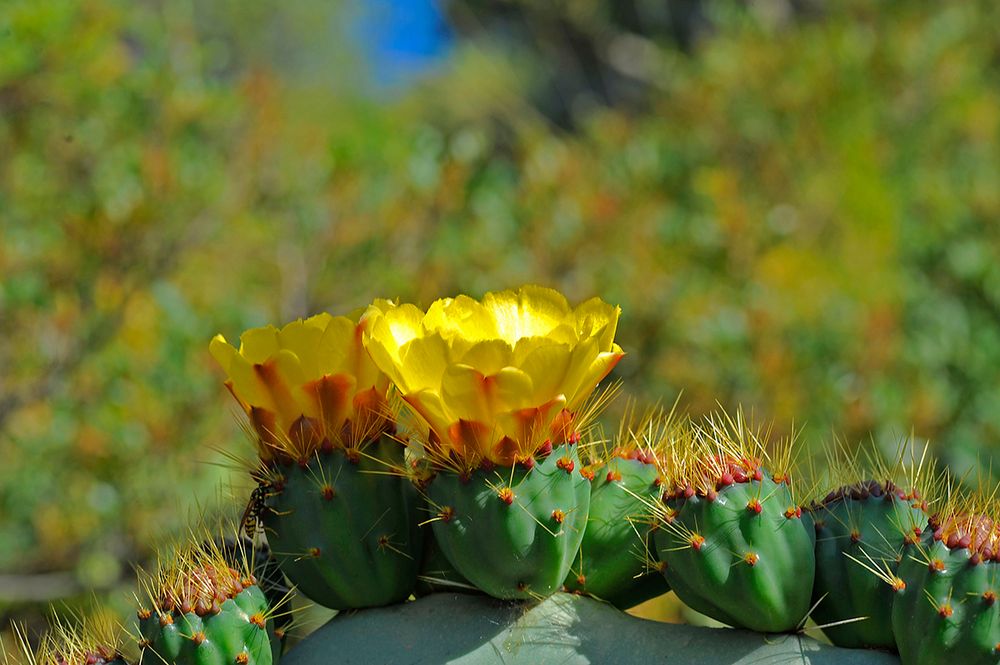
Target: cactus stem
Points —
{"points": [[242, 658], [446, 513], [945, 610], [989, 597], [258, 620], [751, 558], [558, 516], [936, 566], [143, 613], [328, 492], [506, 495], [696, 540], [614, 476], [566, 464], [198, 638], [753, 505]]}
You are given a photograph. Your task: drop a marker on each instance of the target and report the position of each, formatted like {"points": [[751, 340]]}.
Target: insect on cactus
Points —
{"points": [[617, 561], [502, 386], [339, 515], [730, 529], [945, 603], [865, 525], [203, 605]]}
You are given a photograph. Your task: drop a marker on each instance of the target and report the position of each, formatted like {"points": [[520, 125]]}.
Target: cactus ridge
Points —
{"points": [[857, 527], [91, 639], [513, 532], [730, 528], [344, 528], [203, 606], [946, 607], [617, 561]]}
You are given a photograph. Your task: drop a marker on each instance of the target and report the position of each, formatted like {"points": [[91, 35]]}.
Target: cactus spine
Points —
{"points": [[617, 560], [731, 531], [332, 493], [945, 607], [865, 526], [202, 607]]}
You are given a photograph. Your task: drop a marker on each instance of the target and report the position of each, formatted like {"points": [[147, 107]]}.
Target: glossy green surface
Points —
{"points": [[968, 632], [345, 533], [771, 595], [564, 629], [518, 549], [225, 638], [617, 561], [866, 530]]}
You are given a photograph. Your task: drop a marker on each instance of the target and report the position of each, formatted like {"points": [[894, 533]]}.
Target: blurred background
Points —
{"points": [[795, 202]]}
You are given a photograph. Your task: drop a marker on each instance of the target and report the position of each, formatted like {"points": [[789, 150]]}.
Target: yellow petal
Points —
{"points": [[461, 316], [427, 404], [489, 356], [597, 318], [529, 311], [599, 368], [423, 362], [547, 365], [223, 352], [259, 344]]}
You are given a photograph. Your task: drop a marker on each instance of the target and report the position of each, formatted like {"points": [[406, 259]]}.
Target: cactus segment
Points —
{"points": [[742, 556], [344, 526], [206, 608], [436, 572], [233, 632], [945, 610], [859, 527], [94, 638], [616, 561], [513, 531]]}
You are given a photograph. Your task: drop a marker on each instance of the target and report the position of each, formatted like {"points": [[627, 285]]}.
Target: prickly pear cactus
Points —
{"points": [[860, 529], [617, 560], [731, 532], [513, 532], [91, 639], [333, 493], [501, 391], [945, 608], [345, 529], [564, 629], [201, 611]]}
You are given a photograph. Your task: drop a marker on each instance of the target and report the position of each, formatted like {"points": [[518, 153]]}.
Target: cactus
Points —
{"points": [[617, 560], [345, 529], [499, 388], [564, 629], [332, 492], [731, 533], [91, 639], [513, 535], [864, 526], [945, 607], [201, 609]]}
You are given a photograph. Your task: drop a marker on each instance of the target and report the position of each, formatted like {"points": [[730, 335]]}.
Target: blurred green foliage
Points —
{"points": [[800, 218]]}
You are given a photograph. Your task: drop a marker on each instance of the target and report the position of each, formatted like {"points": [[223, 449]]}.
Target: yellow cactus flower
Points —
{"points": [[500, 378], [307, 385]]}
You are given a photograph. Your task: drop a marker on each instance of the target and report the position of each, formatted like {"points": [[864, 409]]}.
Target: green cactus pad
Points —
{"points": [[947, 613], [233, 633], [864, 523], [616, 561], [512, 531], [564, 629], [345, 530], [743, 557], [436, 572]]}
